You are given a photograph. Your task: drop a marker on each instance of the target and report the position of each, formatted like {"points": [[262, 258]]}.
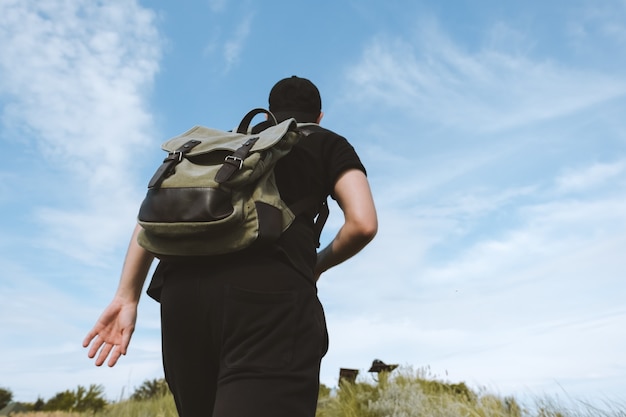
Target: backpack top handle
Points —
{"points": [[247, 119]]}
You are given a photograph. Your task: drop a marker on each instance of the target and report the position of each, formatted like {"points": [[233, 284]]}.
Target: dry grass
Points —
{"points": [[47, 414], [405, 393]]}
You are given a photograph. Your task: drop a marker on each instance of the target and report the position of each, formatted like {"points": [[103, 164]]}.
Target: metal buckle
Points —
{"points": [[176, 155], [234, 160]]}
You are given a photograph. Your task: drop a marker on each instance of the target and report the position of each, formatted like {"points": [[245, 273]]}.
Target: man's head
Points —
{"points": [[296, 97]]}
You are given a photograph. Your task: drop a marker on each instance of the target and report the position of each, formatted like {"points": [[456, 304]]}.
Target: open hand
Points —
{"points": [[112, 332]]}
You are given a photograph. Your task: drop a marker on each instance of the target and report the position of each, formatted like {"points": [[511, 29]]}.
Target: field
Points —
{"points": [[404, 393]]}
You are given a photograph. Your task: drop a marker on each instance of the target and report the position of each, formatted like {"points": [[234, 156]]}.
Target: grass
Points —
{"points": [[408, 393], [156, 407], [47, 414], [404, 393]]}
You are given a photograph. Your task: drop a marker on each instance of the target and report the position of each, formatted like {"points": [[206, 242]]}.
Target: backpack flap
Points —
{"points": [[216, 140]]}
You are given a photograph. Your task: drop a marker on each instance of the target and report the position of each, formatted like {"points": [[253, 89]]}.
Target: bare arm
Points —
{"points": [[354, 196], [113, 330], [135, 270]]}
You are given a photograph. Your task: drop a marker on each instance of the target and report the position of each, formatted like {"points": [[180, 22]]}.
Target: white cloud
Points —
{"points": [[228, 41], [513, 309], [590, 177], [487, 264], [217, 6], [500, 184], [490, 90], [598, 25], [75, 76], [42, 324], [509, 356], [234, 46]]}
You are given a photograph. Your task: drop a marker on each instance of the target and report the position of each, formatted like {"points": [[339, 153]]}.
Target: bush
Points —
{"points": [[412, 394], [5, 397], [83, 399], [150, 389]]}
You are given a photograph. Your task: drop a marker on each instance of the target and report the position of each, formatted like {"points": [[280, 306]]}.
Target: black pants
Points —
{"points": [[242, 340]]}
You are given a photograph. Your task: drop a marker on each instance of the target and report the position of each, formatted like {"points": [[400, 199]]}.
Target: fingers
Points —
{"points": [[119, 350], [104, 353], [87, 340], [103, 350], [96, 344], [126, 335], [90, 336], [110, 338], [115, 355]]}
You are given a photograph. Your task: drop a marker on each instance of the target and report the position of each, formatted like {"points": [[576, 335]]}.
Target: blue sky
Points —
{"points": [[492, 136]]}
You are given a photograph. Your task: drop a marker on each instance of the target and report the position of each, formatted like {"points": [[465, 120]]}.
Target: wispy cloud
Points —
{"points": [[599, 20], [498, 172], [591, 177], [228, 42], [447, 290], [217, 6], [489, 90], [47, 315], [502, 208], [234, 46], [75, 76]]}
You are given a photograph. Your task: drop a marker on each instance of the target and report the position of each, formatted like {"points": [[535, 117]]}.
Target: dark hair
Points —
{"points": [[295, 97]]}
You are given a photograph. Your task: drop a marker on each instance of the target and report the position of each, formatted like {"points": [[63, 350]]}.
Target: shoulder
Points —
{"points": [[321, 136], [335, 152]]}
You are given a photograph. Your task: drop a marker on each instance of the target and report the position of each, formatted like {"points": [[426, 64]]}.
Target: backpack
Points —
{"points": [[215, 192]]}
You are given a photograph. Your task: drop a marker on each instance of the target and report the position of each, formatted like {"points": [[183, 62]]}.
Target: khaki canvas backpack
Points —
{"points": [[215, 192]]}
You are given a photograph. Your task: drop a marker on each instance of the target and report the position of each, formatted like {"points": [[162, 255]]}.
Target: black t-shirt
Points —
{"points": [[310, 169]]}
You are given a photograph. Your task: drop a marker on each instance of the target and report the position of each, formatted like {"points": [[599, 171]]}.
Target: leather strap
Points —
{"points": [[303, 204], [233, 163], [169, 163], [247, 119], [300, 206], [322, 216]]}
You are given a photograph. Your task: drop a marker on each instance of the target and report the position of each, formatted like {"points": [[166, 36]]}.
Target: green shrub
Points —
{"points": [[405, 393], [81, 400], [5, 397], [151, 389]]}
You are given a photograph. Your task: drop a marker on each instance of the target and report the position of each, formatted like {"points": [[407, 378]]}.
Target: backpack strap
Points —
{"points": [[322, 216], [300, 207], [169, 163], [247, 119], [234, 162]]}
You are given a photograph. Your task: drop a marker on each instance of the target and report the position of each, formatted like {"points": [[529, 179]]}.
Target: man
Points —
{"points": [[243, 334]]}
